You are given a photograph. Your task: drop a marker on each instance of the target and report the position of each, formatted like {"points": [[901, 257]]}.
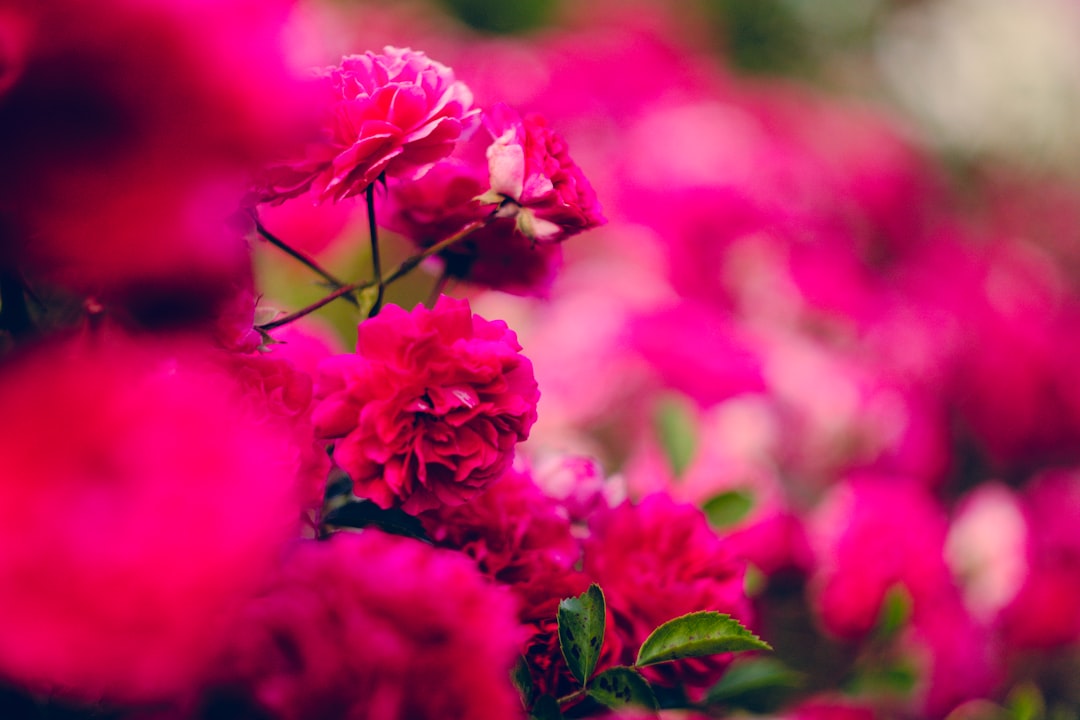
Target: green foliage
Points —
{"points": [[697, 635], [894, 614], [522, 680], [581, 631], [546, 708], [676, 428], [728, 508], [498, 16], [758, 684], [621, 686], [364, 513]]}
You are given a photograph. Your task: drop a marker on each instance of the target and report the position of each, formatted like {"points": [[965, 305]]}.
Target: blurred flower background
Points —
{"points": [[835, 304]]}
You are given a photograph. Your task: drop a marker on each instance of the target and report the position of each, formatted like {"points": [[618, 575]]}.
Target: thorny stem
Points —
{"points": [[406, 266], [304, 259], [376, 263]]}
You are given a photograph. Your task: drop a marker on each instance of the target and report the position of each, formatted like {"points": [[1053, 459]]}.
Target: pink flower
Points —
{"points": [[442, 202], [140, 502], [278, 392], [1043, 613], [391, 114], [658, 560], [535, 179], [871, 534], [372, 626], [515, 533], [429, 409]]}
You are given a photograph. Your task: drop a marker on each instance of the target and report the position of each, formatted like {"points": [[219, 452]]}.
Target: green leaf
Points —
{"points": [[522, 679], [728, 508], [366, 300], [1025, 702], [581, 631], [620, 686], [676, 429], [546, 708], [697, 635], [895, 612], [364, 513], [753, 675]]}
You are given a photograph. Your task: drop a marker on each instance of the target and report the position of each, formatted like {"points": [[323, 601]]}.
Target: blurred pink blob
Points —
{"points": [[142, 500], [353, 626]]}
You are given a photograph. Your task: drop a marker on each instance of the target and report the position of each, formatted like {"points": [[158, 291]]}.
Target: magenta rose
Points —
{"points": [[392, 114], [536, 180], [428, 410], [369, 626], [444, 201], [516, 535]]}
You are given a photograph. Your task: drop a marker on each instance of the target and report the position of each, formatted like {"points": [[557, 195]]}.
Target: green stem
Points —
{"points": [[571, 697], [304, 259], [376, 263], [407, 265]]}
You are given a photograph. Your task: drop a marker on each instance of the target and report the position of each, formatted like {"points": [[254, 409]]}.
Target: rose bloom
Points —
{"points": [[658, 560], [444, 201], [281, 393], [516, 535], [392, 113], [140, 503], [536, 180], [372, 626], [428, 410]]}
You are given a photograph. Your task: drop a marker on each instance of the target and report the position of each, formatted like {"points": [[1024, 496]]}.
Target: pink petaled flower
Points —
{"points": [[278, 392], [535, 179], [656, 561], [141, 503], [371, 626], [391, 114], [516, 535], [429, 409], [444, 201]]}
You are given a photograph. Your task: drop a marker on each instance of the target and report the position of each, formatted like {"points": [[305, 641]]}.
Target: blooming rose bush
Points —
{"points": [[429, 409]]}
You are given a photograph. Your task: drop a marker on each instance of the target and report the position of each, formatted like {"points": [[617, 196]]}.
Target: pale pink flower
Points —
{"points": [[390, 114], [535, 179], [428, 410], [140, 502]]}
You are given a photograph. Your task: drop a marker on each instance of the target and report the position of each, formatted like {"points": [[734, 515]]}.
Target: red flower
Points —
{"points": [[429, 409], [443, 201], [516, 535], [534, 177], [393, 113], [373, 626]]}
